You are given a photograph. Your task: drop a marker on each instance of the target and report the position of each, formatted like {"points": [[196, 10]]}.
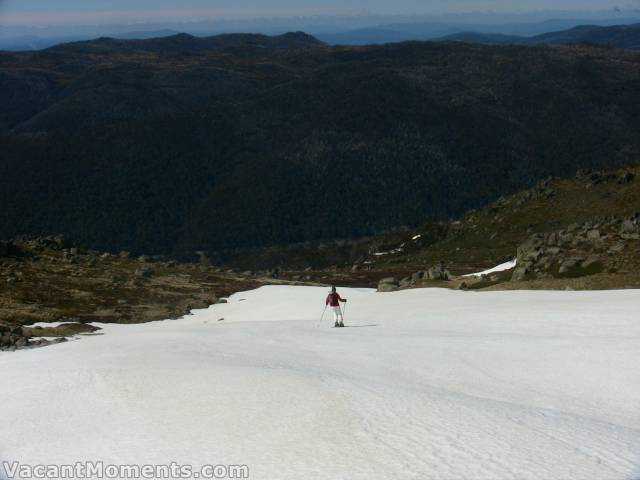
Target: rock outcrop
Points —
{"points": [[14, 337], [578, 250], [437, 273]]}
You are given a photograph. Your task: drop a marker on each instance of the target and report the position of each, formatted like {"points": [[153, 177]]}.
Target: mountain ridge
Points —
{"points": [[185, 42], [618, 36]]}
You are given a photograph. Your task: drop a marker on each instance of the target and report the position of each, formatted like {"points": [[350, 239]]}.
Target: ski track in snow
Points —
{"points": [[433, 384]]}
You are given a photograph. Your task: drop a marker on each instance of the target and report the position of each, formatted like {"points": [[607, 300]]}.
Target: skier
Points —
{"points": [[333, 300]]}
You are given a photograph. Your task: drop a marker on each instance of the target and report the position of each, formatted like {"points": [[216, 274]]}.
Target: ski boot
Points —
{"points": [[336, 325], [341, 324]]}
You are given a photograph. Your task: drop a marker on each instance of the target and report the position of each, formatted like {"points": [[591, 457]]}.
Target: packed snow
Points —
{"points": [[498, 268], [428, 383]]}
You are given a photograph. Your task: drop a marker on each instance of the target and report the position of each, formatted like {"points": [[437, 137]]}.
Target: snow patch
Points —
{"points": [[498, 268]]}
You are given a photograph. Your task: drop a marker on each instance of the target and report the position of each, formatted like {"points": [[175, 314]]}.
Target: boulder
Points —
{"points": [[520, 273], [569, 264], [533, 244], [627, 227], [438, 272], [388, 284], [590, 261]]}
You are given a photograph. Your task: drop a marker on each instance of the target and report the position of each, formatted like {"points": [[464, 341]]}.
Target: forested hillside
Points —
{"points": [[181, 144]]}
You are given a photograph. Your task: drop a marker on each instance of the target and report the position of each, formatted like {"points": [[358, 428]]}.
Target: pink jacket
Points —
{"points": [[333, 299]]}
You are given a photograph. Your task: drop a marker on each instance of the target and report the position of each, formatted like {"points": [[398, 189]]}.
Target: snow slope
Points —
{"points": [[431, 384], [498, 268]]}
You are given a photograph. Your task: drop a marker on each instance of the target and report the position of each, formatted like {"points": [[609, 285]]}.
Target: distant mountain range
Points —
{"points": [[335, 31], [183, 43], [619, 36], [398, 32]]}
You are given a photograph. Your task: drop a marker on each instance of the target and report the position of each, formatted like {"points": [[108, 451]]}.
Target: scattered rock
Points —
{"points": [[13, 337], [62, 330], [576, 251]]}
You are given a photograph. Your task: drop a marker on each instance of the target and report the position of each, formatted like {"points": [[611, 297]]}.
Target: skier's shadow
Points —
{"points": [[362, 326]]}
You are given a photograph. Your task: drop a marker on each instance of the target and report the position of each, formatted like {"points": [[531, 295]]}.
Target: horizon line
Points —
{"points": [[187, 16]]}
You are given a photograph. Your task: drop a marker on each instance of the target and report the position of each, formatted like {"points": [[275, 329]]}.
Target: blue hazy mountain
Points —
{"points": [[618, 36], [348, 30]]}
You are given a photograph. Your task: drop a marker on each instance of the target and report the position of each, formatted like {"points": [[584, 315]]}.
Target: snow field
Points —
{"points": [[427, 383]]}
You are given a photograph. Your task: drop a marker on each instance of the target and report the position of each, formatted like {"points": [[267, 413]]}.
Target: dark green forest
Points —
{"points": [[181, 144]]}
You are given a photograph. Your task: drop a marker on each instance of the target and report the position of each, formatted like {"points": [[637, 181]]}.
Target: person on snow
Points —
{"points": [[333, 300]]}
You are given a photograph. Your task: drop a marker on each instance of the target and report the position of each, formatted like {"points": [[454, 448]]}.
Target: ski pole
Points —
{"points": [[322, 316], [344, 309]]}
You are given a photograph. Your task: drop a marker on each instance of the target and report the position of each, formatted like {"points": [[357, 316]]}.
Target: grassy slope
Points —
{"points": [[484, 238], [48, 284]]}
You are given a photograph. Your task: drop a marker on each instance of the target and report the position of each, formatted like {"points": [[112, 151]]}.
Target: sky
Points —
{"points": [[49, 12]]}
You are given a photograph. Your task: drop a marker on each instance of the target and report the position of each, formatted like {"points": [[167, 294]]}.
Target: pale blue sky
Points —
{"points": [[107, 11]]}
